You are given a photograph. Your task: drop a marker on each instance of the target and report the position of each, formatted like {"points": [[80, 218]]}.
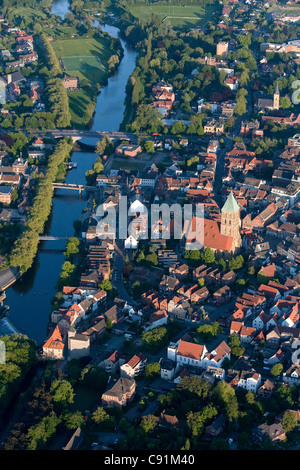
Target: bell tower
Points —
{"points": [[230, 221], [276, 98]]}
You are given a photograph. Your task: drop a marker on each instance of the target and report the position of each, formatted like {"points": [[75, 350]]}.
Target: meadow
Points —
{"points": [[180, 16], [84, 57]]}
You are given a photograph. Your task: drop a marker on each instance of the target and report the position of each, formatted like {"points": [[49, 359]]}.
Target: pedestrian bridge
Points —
{"points": [[51, 238], [75, 187]]}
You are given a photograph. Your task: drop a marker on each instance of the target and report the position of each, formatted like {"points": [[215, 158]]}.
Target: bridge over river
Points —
{"points": [[78, 134], [75, 187]]}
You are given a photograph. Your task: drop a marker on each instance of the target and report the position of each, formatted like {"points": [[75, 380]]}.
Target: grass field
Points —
{"points": [[179, 16], [127, 165], [81, 107], [82, 64], [84, 57]]}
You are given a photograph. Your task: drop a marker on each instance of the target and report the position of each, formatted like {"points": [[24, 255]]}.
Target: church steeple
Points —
{"points": [[276, 97], [230, 205], [230, 221]]}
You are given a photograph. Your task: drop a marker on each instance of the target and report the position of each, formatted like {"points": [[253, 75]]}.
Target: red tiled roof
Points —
{"points": [[267, 290], [269, 271], [134, 361], [247, 331], [114, 356], [192, 350], [236, 326], [55, 341], [158, 315], [211, 235]]}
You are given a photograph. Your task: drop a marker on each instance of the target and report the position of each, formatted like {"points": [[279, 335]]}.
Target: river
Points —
{"points": [[29, 299]]}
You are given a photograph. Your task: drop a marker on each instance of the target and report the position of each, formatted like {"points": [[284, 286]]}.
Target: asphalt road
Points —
{"points": [[117, 280]]}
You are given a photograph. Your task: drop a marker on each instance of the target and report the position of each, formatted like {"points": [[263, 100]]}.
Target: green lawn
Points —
{"points": [[180, 16], [127, 165], [85, 398], [82, 63], [28, 13], [81, 107], [84, 57]]}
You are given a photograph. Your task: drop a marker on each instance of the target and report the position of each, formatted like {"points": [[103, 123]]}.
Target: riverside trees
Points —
{"points": [[58, 102], [20, 358], [25, 247], [49, 57], [55, 91]]}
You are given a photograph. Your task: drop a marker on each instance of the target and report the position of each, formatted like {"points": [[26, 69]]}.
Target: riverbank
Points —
{"points": [[91, 58], [30, 298]]}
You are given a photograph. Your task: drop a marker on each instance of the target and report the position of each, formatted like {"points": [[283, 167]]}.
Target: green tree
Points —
{"points": [[152, 370], [94, 377], [209, 331], [289, 421], [196, 420], [209, 256], [105, 285], [152, 259], [73, 420], [149, 146], [285, 102], [102, 418], [235, 346], [222, 264], [148, 423], [236, 263], [276, 369], [225, 395], [39, 434], [147, 119], [62, 392], [72, 247]]}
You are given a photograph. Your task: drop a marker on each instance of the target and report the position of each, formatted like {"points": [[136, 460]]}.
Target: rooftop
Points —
{"points": [[230, 205]]}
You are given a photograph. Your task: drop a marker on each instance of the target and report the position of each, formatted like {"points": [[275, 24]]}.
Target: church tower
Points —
{"points": [[276, 97], [230, 221]]}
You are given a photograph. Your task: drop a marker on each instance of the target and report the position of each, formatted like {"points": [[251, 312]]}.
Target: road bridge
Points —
{"points": [[77, 134]]}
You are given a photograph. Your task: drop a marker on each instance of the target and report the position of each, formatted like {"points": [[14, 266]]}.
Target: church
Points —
{"points": [[268, 104], [223, 235]]}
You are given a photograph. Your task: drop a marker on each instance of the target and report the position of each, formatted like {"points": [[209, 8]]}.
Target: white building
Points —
{"points": [[133, 367], [186, 353]]}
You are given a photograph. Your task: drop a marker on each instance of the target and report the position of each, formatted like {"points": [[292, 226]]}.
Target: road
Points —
{"points": [[117, 280], [102, 351], [220, 165]]}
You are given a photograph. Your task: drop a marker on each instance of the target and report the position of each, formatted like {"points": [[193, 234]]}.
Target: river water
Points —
{"points": [[30, 298]]}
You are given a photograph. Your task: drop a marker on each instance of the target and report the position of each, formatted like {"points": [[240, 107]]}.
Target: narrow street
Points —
{"points": [[117, 280]]}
